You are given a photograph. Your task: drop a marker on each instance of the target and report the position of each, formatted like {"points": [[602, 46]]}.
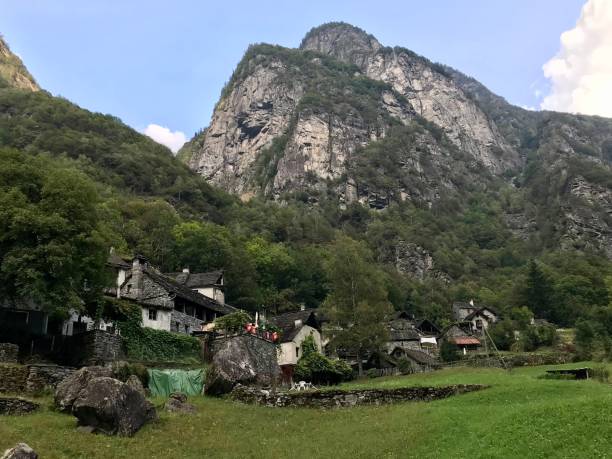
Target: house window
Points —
{"points": [[187, 329], [129, 288], [479, 324], [152, 314], [297, 352]]}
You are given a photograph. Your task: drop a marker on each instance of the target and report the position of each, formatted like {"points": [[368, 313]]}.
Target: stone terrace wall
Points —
{"points": [[8, 352], [348, 398], [13, 378], [17, 379], [43, 377]]}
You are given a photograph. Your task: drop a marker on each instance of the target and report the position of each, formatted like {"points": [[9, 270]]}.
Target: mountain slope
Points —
{"points": [[348, 117], [12, 71]]}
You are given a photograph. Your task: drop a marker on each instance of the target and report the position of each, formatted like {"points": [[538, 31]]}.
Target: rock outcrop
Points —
{"points": [[111, 407], [13, 72], [241, 360], [71, 387]]}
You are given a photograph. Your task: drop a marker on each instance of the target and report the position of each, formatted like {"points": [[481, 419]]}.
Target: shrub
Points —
{"points": [[405, 366], [318, 369], [123, 371], [233, 322]]}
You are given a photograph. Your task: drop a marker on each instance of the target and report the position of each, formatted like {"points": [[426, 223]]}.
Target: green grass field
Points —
{"points": [[519, 416]]}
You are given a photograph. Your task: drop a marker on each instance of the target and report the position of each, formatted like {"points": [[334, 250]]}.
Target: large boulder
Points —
{"points": [[69, 389], [21, 451], [109, 406], [243, 360]]}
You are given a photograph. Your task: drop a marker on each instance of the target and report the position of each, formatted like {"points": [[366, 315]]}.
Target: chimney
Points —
{"points": [[135, 285], [471, 302], [302, 307], [186, 270]]}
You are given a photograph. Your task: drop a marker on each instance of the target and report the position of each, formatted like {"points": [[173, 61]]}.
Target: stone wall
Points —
{"points": [[13, 378], [8, 352], [45, 377], [32, 379], [16, 406], [348, 398], [96, 347]]}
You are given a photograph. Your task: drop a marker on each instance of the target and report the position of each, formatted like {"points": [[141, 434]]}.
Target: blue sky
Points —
{"points": [[166, 62]]}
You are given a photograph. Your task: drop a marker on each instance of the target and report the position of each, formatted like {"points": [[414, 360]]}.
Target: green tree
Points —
{"points": [[357, 303], [52, 249], [538, 291]]}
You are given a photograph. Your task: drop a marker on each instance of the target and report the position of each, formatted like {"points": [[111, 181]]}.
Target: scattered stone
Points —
{"points": [[17, 406], [112, 407], [241, 360], [177, 403], [86, 429], [69, 389], [134, 382], [21, 451]]}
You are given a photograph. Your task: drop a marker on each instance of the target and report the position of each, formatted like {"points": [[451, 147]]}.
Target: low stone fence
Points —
{"points": [[8, 352], [349, 398], [32, 379], [15, 406], [525, 359]]}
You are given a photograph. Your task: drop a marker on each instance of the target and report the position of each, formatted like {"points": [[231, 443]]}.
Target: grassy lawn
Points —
{"points": [[519, 416]]}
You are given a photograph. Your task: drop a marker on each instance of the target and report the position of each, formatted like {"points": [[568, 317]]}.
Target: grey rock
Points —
{"points": [[134, 382], [241, 360], [112, 407], [21, 451], [177, 403], [70, 388]]}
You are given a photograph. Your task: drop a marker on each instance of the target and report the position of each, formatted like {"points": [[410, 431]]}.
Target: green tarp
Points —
{"points": [[163, 382]]}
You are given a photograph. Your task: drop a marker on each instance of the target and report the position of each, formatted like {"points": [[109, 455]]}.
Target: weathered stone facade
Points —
{"points": [[8, 352], [340, 398], [183, 323], [16, 406]]}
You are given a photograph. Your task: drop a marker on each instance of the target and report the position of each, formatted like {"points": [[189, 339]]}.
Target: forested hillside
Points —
{"points": [[434, 216]]}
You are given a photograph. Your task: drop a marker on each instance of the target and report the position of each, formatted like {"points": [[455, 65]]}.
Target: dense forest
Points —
{"points": [[73, 184]]}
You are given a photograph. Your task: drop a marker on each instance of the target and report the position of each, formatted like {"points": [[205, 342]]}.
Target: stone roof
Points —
{"points": [[479, 311], [421, 357], [286, 323], [118, 262], [196, 280], [186, 293]]}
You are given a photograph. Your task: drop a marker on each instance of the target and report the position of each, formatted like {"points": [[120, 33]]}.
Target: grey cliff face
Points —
{"points": [[266, 105], [431, 94]]}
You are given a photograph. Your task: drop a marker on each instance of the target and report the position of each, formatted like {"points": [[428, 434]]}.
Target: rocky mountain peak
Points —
{"points": [[342, 41], [12, 70]]}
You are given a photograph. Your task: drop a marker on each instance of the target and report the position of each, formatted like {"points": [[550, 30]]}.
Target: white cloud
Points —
{"points": [[581, 72], [173, 140]]}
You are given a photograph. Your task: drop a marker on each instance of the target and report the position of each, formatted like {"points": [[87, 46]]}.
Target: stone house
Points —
{"points": [[168, 304], [408, 333], [295, 327], [464, 340], [477, 318], [210, 284]]}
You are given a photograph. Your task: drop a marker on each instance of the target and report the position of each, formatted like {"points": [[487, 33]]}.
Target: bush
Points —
{"points": [[124, 370], [233, 322], [318, 369], [405, 366]]}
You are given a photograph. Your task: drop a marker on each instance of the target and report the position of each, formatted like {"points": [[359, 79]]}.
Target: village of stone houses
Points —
{"points": [[363, 254]]}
